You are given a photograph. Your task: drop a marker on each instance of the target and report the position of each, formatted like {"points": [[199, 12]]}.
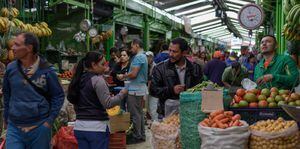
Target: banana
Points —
{"points": [[44, 24], [14, 12], [296, 17], [4, 12], [292, 13]]}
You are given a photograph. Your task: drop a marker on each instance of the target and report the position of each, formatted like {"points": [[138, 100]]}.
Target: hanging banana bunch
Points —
{"points": [[6, 12], [291, 30], [102, 37]]}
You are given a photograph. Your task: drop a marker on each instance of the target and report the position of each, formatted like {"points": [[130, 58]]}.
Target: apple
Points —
{"points": [[243, 103], [270, 99], [261, 97], [253, 105], [297, 102], [265, 92], [292, 103], [281, 103], [272, 105], [262, 104], [278, 98]]}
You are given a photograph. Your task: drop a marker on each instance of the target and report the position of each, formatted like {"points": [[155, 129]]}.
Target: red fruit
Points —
{"points": [[253, 105], [237, 98], [240, 92], [262, 104]]}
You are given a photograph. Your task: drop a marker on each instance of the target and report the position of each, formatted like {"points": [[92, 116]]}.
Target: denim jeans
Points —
{"points": [[92, 140], [38, 138]]}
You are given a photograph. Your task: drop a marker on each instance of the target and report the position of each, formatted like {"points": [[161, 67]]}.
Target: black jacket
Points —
{"points": [[165, 77]]}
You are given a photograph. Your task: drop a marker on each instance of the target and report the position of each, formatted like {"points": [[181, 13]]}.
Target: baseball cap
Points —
{"points": [[149, 53]]}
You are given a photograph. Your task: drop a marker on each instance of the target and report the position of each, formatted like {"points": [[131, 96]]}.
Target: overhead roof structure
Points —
{"points": [[204, 20]]}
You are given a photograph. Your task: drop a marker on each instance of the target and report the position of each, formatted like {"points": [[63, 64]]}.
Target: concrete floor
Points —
{"points": [[144, 145]]}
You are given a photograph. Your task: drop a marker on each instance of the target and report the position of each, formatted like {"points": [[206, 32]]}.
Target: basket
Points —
{"points": [[117, 140], [252, 115]]}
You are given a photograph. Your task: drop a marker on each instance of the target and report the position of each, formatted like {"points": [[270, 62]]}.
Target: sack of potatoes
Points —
{"points": [[274, 134]]}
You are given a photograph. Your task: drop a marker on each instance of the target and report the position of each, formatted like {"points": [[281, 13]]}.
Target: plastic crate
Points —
{"points": [[117, 140], [252, 115]]}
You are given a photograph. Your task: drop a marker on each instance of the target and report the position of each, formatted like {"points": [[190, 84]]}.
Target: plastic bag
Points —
{"points": [[65, 139], [248, 84], [171, 106], [229, 138], [164, 136]]}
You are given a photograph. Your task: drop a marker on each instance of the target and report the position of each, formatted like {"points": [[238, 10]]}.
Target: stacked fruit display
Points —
{"points": [[291, 30], [66, 75], [9, 20], [222, 119], [102, 37], [274, 134], [264, 98]]}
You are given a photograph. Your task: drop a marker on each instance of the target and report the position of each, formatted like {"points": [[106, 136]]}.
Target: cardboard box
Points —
{"points": [[119, 122], [212, 100]]}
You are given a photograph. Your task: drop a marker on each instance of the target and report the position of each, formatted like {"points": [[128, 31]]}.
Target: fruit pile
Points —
{"points": [[203, 85], [221, 119], [264, 98], [274, 134], [172, 120], [9, 20], [66, 75]]}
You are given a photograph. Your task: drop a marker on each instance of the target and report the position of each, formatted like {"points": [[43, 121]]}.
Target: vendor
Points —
{"points": [[275, 70], [233, 75]]}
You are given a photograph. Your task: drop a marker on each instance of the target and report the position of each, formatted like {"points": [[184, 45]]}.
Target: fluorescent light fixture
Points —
{"points": [[193, 10], [232, 14], [203, 18], [232, 5], [200, 13], [184, 5], [239, 2], [199, 26], [216, 25], [170, 16]]}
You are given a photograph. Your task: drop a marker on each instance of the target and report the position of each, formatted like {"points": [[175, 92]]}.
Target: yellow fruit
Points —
{"points": [[114, 111]]}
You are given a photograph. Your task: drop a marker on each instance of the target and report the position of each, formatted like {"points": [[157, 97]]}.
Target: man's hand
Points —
{"points": [[264, 79], [124, 91], [178, 88], [46, 124], [121, 77]]}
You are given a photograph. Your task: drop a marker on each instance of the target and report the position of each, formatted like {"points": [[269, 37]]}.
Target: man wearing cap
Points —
{"points": [[275, 70], [175, 75], [214, 69], [233, 75]]}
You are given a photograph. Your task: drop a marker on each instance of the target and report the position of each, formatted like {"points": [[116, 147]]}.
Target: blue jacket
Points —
{"points": [[23, 106]]}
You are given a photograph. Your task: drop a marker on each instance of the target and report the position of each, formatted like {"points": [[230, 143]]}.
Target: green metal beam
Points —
{"points": [[72, 2], [134, 6]]}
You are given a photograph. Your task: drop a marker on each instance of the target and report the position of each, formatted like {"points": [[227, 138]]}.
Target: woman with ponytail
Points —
{"points": [[90, 95]]}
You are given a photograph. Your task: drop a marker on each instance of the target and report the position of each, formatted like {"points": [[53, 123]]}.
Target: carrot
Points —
{"points": [[230, 124], [214, 125], [228, 113], [215, 113], [204, 124], [236, 123], [219, 117], [236, 117], [206, 121], [224, 120], [220, 125]]}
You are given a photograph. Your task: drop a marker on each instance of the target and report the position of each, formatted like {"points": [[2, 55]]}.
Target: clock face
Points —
{"points": [[251, 16], [93, 32], [85, 25]]}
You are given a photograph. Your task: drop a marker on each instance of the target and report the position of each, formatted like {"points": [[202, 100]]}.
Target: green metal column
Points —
{"points": [[283, 41], [279, 17], [110, 41], [146, 33]]}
